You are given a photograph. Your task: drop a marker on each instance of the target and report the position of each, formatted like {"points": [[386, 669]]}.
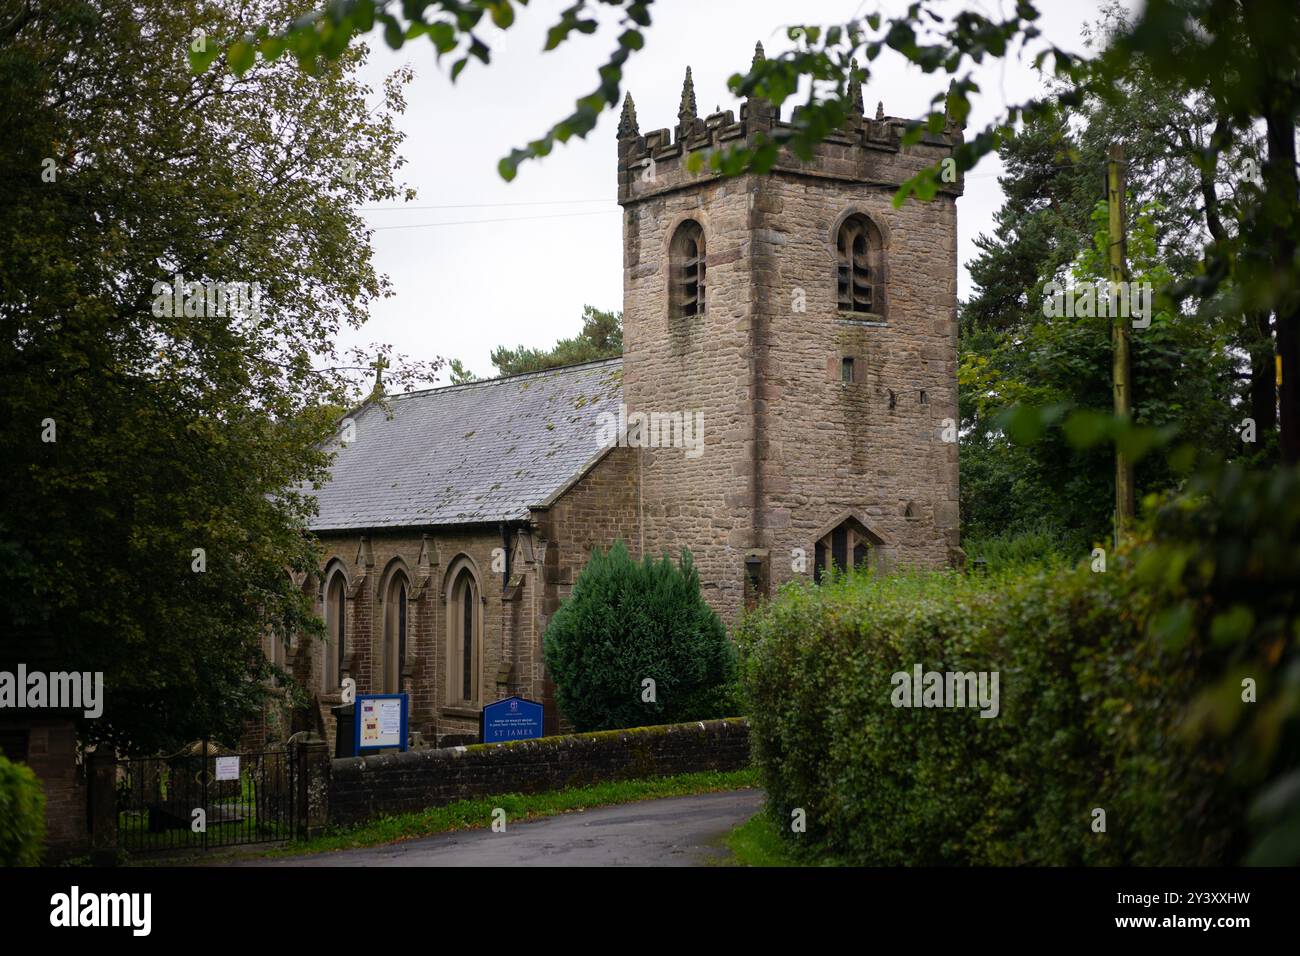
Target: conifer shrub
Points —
{"points": [[629, 622]]}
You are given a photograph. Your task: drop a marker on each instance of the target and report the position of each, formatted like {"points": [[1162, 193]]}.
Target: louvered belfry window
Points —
{"points": [[859, 280], [687, 264]]}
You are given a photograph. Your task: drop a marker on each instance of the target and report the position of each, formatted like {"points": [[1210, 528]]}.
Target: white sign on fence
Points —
{"points": [[227, 768]]}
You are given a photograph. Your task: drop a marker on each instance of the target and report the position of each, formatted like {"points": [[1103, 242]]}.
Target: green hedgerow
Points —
{"points": [[22, 815], [1088, 718], [627, 622]]}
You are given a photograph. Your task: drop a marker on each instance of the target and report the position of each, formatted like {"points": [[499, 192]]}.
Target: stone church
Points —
{"points": [[805, 324]]}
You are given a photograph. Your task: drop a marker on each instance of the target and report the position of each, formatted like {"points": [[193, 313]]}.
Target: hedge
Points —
{"points": [[22, 815], [1089, 708]]}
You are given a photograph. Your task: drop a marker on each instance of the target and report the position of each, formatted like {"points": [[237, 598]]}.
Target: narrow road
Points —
{"points": [[676, 831]]}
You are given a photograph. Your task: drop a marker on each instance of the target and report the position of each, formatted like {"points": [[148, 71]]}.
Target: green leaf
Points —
{"points": [[443, 37], [240, 57], [1087, 427], [1172, 626], [1026, 424], [502, 14], [394, 35], [272, 47], [199, 62], [1232, 626]]}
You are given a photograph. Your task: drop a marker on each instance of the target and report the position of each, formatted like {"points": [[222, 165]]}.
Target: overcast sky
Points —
{"points": [[514, 263]]}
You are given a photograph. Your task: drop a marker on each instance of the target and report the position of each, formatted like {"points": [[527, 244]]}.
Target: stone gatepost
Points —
{"points": [[312, 759], [102, 778]]}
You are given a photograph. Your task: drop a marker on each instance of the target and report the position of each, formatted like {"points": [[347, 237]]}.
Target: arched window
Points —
{"points": [[846, 546], [280, 635], [395, 618], [464, 640], [336, 617], [860, 280], [279, 647], [686, 262]]}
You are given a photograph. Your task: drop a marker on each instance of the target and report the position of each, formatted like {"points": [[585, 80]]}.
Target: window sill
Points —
{"points": [[470, 713], [869, 320]]}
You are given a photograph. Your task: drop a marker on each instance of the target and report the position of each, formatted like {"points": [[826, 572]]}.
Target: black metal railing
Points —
{"points": [[205, 796]]}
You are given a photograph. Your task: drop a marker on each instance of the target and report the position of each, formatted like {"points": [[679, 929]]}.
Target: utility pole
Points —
{"points": [[1120, 372]]}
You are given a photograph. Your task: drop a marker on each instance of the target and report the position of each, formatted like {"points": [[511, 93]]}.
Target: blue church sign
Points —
{"points": [[511, 719]]}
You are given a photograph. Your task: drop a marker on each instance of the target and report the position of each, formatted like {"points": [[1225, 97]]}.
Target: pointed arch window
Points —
{"points": [[395, 633], [846, 546], [336, 615], [687, 278], [279, 647], [860, 276], [464, 640]]}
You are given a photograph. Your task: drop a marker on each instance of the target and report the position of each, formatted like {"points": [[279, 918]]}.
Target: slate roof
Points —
{"points": [[482, 452]]}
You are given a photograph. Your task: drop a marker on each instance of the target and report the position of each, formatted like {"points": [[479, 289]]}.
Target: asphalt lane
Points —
{"points": [[676, 831]]}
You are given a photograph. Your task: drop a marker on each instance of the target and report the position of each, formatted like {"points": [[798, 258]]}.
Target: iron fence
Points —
{"points": [[205, 796]]}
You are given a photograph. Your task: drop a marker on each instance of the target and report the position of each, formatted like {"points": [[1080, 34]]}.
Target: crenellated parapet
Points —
{"points": [[864, 150]]}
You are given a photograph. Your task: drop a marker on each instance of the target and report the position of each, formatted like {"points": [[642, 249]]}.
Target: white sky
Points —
{"points": [[462, 289]]}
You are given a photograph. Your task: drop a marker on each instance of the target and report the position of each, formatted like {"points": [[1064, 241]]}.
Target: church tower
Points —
{"points": [[812, 328]]}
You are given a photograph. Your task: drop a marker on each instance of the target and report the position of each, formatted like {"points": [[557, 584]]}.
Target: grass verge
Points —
{"points": [[476, 814], [756, 842]]}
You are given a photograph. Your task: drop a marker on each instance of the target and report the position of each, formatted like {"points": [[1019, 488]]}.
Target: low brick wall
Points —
{"points": [[362, 788]]}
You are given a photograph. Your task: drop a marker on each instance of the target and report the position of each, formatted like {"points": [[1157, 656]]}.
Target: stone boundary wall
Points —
{"points": [[362, 788]]}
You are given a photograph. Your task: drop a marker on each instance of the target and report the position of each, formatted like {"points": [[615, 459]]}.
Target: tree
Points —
{"points": [[156, 448], [460, 375], [601, 338], [637, 644], [1054, 167], [1182, 380]]}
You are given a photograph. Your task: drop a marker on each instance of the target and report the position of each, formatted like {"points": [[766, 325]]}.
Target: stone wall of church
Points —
{"points": [[597, 510], [790, 450], [545, 559], [697, 366], [507, 629], [873, 447]]}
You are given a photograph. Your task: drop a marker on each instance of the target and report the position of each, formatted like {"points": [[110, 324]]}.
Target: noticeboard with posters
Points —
{"points": [[380, 722]]}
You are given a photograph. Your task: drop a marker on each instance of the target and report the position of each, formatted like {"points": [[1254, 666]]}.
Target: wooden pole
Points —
{"points": [[1120, 370]]}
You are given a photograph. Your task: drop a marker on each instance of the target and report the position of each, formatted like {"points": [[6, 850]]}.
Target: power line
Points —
{"points": [[471, 222], [560, 202], [482, 205]]}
